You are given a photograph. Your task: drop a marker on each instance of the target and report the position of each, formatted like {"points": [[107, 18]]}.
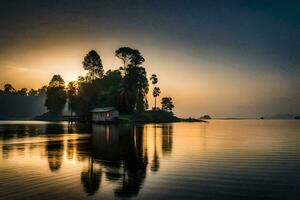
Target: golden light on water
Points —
{"points": [[200, 137], [99, 162]]}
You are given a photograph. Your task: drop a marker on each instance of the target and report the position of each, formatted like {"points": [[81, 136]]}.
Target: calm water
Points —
{"points": [[216, 160]]}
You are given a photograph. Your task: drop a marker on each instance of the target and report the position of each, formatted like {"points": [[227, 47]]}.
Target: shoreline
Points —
{"points": [[108, 122]]}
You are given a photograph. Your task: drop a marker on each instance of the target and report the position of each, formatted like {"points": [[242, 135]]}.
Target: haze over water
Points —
{"points": [[234, 58], [222, 159]]}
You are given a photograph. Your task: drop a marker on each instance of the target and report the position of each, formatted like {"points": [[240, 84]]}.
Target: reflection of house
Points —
{"points": [[104, 114], [120, 150]]}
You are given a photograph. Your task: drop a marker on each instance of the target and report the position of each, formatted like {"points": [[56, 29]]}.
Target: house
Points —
{"points": [[106, 114]]}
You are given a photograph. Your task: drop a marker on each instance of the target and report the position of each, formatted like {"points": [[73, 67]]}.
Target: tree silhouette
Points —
{"points": [[135, 88], [156, 92], [125, 90], [103, 92], [22, 92], [8, 88], [154, 79], [167, 104], [72, 94], [57, 81], [92, 62], [42, 90], [56, 95], [20, 104], [33, 92], [129, 56]]}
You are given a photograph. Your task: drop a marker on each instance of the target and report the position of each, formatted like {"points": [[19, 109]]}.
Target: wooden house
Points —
{"points": [[106, 114]]}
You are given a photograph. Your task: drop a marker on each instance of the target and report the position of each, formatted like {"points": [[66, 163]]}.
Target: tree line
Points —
{"points": [[21, 104], [125, 88]]}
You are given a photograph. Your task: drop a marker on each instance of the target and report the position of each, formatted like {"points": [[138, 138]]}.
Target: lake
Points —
{"points": [[222, 159]]}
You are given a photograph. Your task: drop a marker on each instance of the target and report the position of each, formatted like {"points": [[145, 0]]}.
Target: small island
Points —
{"points": [[205, 117], [124, 89]]}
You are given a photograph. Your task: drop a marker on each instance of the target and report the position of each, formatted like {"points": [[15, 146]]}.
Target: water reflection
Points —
{"points": [[54, 148], [91, 177], [8, 131], [5, 151], [117, 153], [178, 160], [155, 161], [122, 152], [167, 139]]}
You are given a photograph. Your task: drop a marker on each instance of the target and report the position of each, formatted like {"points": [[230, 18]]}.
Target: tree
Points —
{"points": [[129, 56], [56, 95], [156, 92], [146, 104], [57, 81], [110, 88], [72, 95], [93, 63], [103, 92], [167, 104], [22, 92], [42, 90], [135, 88], [124, 53], [8, 88], [154, 79], [32, 92], [19, 105]]}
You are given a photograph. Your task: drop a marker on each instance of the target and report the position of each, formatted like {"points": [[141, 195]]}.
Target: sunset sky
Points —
{"points": [[223, 58]]}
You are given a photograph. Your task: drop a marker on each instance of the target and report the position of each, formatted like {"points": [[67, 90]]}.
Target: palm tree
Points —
{"points": [[156, 92]]}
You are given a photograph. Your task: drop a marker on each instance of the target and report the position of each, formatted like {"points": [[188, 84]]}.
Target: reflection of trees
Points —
{"points": [[167, 138], [91, 177], [54, 149], [56, 128], [120, 149], [71, 149], [155, 161], [13, 131], [8, 131], [6, 149], [134, 164]]}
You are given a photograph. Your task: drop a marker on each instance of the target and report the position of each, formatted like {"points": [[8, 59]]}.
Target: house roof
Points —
{"points": [[104, 109]]}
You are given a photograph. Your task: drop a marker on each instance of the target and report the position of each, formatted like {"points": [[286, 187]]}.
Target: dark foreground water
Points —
{"points": [[215, 160]]}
